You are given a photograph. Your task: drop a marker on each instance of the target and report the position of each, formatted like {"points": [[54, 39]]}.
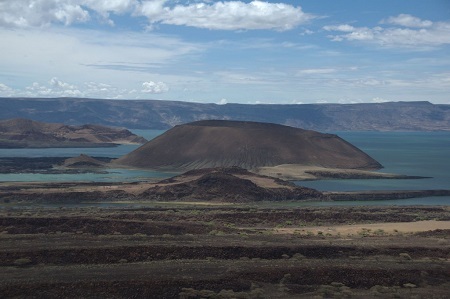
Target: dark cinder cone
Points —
{"points": [[221, 143]]}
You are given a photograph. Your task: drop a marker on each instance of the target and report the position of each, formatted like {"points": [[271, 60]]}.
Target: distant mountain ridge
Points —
{"points": [[155, 114], [26, 133]]}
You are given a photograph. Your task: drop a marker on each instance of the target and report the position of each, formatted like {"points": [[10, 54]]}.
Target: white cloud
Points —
{"points": [[306, 32], [56, 83], [243, 78], [56, 88], [154, 87], [222, 15], [106, 6], [370, 82], [37, 89], [421, 34], [379, 100], [98, 87], [407, 21], [30, 13], [37, 13], [361, 33], [316, 71], [151, 9], [6, 91], [107, 91], [230, 15], [343, 28], [4, 87], [222, 102], [358, 82]]}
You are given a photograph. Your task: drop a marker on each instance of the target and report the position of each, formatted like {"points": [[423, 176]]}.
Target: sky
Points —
{"points": [[267, 52]]}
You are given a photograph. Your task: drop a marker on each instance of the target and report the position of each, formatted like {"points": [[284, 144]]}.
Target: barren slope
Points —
{"points": [[218, 143]]}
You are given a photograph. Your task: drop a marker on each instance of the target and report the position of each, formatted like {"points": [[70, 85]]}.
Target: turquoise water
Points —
{"points": [[111, 152], [111, 175], [409, 153]]}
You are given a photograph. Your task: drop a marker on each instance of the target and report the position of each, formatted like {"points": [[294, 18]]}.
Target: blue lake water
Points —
{"points": [[112, 175], [111, 152], [409, 153]]}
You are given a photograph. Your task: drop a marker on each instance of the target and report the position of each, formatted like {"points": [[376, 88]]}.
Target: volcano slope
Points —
{"points": [[250, 145]]}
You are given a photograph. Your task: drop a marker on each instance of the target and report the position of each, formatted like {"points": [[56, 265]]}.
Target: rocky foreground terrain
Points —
{"points": [[215, 233], [26, 133], [166, 250]]}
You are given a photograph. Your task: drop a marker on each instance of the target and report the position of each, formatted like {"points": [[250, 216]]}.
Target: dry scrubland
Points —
{"points": [[189, 250]]}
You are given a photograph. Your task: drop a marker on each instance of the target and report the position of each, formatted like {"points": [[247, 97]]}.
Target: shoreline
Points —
{"points": [[134, 192], [289, 172], [295, 172], [276, 180], [383, 195]]}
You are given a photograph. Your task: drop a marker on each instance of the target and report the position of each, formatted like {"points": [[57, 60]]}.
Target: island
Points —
{"points": [[268, 149]]}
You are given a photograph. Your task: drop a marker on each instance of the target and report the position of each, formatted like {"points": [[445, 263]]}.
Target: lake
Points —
{"points": [[409, 153], [112, 175]]}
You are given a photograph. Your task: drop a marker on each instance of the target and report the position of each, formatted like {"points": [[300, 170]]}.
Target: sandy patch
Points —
{"points": [[369, 229], [265, 182], [305, 172]]}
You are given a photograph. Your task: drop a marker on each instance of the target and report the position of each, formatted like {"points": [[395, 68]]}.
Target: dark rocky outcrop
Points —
{"points": [[227, 185], [216, 143], [214, 184], [83, 161], [53, 165]]}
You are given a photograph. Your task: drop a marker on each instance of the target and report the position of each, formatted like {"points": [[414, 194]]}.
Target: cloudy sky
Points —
{"points": [[279, 51]]}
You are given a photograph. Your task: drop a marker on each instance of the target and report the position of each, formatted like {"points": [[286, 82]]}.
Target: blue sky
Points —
{"points": [[227, 51]]}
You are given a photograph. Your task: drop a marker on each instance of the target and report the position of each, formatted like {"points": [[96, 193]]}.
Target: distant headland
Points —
{"points": [[26, 133]]}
